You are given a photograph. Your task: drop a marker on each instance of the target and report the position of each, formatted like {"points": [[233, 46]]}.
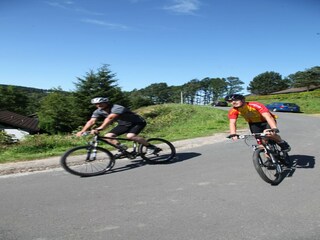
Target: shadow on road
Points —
{"points": [[185, 156], [299, 161], [139, 163], [131, 165], [303, 161]]}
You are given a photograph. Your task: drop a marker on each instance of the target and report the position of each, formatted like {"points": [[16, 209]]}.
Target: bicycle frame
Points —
{"points": [[136, 149], [269, 172], [130, 154], [92, 159], [269, 145], [261, 139]]}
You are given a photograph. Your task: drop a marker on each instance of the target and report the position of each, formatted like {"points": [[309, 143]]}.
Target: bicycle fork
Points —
{"points": [[273, 155], [92, 151], [269, 154]]}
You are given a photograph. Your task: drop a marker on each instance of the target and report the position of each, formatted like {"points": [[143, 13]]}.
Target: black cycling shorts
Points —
{"points": [[258, 127], [134, 128]]}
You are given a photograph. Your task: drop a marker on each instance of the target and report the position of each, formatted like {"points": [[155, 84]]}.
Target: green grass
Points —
{"points": [[37, 147], [170, 121], [176, 121], [309, 102]]}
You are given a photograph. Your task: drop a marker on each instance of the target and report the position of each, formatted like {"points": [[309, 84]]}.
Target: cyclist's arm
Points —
{"points": [[233, 128], [87, 126], [271, 121], [107, 121]]}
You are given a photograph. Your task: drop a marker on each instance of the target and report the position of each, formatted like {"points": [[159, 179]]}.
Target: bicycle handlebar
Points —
{"points": [[85, 133], [252, 135], [275, 130], [247, 135]]}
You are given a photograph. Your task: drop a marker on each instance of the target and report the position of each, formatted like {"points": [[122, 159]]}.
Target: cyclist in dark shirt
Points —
{"points": [[128, 121], [259, 118]]}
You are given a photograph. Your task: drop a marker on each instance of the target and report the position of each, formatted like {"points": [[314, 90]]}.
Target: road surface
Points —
{"points": [[212, 192]]}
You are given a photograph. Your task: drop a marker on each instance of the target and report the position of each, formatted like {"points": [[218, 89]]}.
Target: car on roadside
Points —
{"points": [[219, 104], [283, 107]]}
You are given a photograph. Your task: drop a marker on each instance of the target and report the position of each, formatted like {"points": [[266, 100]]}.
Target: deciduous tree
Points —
{"points": [[58, 112], [266, 83], [307, 78]]}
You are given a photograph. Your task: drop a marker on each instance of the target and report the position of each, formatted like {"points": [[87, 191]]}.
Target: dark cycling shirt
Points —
{"points": [[126, 117]]}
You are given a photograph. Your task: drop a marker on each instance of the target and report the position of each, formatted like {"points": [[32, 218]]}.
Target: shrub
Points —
{"points": [[5, 138]]}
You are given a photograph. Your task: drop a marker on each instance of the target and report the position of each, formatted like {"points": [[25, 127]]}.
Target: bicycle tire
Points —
{"points": [[269, 175], [75, 161], [164, 152]]}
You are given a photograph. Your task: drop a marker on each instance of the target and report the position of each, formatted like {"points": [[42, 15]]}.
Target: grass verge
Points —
{"points": [[169, 121]]}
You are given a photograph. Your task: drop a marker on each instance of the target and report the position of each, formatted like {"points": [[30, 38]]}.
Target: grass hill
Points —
{"points": [[170, 121], [26, 89], [309, 102]]}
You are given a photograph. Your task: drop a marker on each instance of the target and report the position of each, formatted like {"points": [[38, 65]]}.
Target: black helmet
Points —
{"points": [[99, 100], [234, 97]]}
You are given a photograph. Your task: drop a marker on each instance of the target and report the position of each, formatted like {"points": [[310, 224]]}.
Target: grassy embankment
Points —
{"points": [[169, 121], [309, 102]]}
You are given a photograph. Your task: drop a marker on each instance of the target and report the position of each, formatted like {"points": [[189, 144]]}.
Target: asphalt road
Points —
{"points": [[211, 192]]}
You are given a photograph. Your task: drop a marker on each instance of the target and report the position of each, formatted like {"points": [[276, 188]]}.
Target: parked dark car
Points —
{"points": [[220, 104], [283, 107]]}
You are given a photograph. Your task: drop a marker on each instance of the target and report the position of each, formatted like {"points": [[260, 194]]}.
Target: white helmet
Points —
{"points": [[99, 100]]}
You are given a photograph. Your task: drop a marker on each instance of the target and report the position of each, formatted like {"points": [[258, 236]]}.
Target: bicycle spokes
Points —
{"points": [[267, 167], [162, 151], [84, 161]]}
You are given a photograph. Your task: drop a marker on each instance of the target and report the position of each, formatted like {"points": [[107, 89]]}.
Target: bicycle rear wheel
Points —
{"points": [[270, 174], [87, 161], [164, 151]]}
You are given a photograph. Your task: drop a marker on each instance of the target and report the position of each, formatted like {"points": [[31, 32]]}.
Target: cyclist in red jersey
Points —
{"points": [[259, 118]]}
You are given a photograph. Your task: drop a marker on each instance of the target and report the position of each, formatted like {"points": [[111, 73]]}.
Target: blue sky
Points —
{"points": [[49, 43]]}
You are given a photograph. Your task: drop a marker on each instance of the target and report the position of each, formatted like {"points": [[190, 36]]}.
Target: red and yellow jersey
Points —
{"points": [[251, 112]]}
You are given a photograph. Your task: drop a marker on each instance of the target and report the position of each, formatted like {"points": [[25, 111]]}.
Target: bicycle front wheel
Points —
{"points": [[87, 161], [164, 151], [270, 173]]}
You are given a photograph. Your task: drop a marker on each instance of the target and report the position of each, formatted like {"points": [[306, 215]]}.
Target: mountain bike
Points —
{"points": [[93, 159], [268, 159]]}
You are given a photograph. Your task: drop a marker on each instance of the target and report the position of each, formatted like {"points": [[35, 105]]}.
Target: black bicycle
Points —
{"points": [[92, 159], [268, 159]]}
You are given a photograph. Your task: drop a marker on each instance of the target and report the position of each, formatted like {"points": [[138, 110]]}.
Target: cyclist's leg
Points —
{"points": [[133, 132], [111, 135], [261, 127], [116, 131], [277, 138], [258, 127]]}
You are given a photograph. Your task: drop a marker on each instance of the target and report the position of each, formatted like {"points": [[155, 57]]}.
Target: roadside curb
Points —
{"points": [[54, 162]]}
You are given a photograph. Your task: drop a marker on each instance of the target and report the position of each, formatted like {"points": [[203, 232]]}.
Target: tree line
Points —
{"points": [[63, 112]]}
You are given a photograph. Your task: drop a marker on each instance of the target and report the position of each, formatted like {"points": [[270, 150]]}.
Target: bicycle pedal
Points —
{"points": [[157, 150], [119, 156], [154, 151], [269, 165]]}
